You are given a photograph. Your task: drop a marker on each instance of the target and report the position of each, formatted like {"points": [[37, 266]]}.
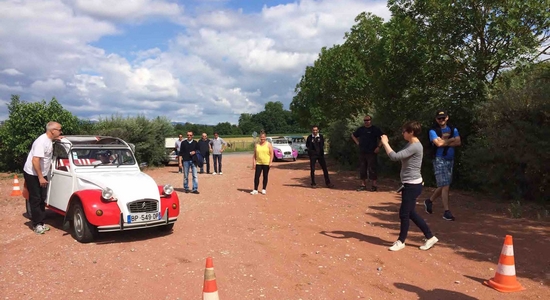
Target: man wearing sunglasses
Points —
{"points": [[368, 139], [36, 171], [445, 138], [188, 148]]}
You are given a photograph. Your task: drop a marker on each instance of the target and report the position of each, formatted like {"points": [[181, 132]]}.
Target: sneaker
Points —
{"points": [[448, 216], [330, 185], [313, 186], [180, 172], [221, 173], [264, 192], [429, 243], [187, 191], [254, 192], [428, 206], [398, 245], [214, 173], [362, 188], [374, 188], [39, 229], [195, 192], [46, 227]]}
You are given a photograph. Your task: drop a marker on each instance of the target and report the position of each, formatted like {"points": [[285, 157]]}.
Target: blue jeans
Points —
{"points": [[186, 166], [217, 162], [407, 211]]}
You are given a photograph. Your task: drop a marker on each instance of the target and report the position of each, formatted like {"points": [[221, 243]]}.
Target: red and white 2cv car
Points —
{"points": [[97, 185]]}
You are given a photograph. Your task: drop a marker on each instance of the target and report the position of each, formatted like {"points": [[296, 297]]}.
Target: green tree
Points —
{"points": [[26, 122]]}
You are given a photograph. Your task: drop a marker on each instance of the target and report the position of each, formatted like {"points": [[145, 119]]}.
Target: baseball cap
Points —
{"points": [[441, 113]]}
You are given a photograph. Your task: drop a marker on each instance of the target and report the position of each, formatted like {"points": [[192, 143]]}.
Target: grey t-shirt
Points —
{"points": [[411, 161], [217, 145]]}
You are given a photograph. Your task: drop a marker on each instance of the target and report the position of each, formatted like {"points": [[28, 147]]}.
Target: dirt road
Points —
{"points": [[293, 243]]}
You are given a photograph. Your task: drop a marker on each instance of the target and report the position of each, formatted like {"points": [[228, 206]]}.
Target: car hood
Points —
{"points": [[283, 147], [126, 186]]}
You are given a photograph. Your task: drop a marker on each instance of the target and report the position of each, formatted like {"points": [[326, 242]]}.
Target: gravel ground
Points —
{"points": [[293, 243]]}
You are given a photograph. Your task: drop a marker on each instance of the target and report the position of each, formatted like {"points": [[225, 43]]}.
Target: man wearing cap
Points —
{"points": [[444, 139]]}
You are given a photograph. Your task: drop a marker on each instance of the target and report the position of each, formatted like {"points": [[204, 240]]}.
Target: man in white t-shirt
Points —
{"points": [[36, 170]]}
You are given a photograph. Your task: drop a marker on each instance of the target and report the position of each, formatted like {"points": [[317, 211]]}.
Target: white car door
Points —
{"points": [[61, 185]]}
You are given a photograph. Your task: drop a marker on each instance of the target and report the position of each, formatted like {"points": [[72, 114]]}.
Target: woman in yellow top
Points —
{"points": [[261, 161]]}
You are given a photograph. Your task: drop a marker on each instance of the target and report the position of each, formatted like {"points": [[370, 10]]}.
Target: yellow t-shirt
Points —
{"points": [[263, 156]]}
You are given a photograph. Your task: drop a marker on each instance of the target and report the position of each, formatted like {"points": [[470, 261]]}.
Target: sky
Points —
{"points": [[198, 61]]}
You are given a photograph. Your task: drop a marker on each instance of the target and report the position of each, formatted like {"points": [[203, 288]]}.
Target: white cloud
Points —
{"points": [[220, 64], [12, 72]]}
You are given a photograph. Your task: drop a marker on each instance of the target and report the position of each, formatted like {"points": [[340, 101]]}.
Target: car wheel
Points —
{"points": [[166, 228], [83, 231]]}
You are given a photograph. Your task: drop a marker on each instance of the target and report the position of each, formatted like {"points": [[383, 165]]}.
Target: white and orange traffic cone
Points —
{"points": [[210, 289], [505, 277], [16, 191]]}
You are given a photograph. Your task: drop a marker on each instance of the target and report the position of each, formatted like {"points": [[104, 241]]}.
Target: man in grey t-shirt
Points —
{"points": [[218, 146]]}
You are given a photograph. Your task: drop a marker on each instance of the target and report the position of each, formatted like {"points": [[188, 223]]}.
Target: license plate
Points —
{"points": [[288, 156], [143, 217]]}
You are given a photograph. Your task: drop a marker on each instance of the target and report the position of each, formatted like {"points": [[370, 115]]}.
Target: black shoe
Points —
{"points": [[448, 216], [195, 192], [330, 185], [374, 188], [428, 206], [313, 185], [362, 188], [187, 191]]}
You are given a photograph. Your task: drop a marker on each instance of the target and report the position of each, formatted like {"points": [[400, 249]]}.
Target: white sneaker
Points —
{"points": [[429, 243], [263, 192], [254, 192], [214, 173], [398, 245], [39, 229], [221, 173]]}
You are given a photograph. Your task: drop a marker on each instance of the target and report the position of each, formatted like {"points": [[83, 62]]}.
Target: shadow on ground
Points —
{"points": [[433, 294]]}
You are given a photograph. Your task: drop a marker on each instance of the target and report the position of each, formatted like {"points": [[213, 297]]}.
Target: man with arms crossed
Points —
{"points": [[368, 139], [445, 138], [36, 171]]}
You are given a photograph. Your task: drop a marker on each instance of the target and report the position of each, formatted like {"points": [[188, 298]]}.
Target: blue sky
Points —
{"points": [[200, 61]]}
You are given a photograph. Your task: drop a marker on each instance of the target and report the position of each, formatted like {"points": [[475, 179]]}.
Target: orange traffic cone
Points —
{"points": [[16, 189], [505, 277], [210, 289]]}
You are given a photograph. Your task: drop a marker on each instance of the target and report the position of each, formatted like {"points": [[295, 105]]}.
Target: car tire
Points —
{"points": [[82, 230], [166, 228]]}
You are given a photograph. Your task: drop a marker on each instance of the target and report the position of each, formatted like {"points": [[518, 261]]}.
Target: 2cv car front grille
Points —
{"points": [[145, 205]]}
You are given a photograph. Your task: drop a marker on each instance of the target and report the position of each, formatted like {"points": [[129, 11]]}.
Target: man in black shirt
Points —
{"points": [[368, 139], [188, 148], [204, 148], [315, 144]]}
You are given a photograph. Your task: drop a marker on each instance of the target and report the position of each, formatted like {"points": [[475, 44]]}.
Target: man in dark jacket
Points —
{"points": [[368, 139], [204, 148], [315, 144], [188, 148]]}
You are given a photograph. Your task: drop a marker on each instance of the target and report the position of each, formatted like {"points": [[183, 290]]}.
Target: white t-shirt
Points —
{"points": [[43, 148]]}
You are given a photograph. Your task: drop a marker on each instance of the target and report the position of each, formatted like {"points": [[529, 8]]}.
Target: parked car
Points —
{"points": [[97, 185], [170, 148], [282, 149], [298, 143]]}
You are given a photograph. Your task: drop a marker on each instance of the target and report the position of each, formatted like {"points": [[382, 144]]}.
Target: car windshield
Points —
{"points": [[298, 140], [280, 142], [102, 156]]}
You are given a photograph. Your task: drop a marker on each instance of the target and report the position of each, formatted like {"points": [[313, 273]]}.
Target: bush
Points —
{"points": [[509, 155]]}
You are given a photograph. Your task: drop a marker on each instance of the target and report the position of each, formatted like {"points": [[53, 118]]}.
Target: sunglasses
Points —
{"points": [[441, 119], [367, 120], [189, 135]]}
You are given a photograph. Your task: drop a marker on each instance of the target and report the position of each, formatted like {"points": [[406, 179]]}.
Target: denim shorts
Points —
{"points": [[443, 169]]}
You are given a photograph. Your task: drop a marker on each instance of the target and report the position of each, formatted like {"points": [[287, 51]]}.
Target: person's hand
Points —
{"points": [[253, 166], [192, 152], [43, 182], [376, 150], [384, 139]]}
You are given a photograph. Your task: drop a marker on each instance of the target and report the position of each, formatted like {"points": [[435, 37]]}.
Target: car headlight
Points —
{"points": [[107, 194], [168, 189]]}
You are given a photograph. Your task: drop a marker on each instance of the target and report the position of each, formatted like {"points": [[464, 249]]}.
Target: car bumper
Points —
{"points": [[122, 226]]}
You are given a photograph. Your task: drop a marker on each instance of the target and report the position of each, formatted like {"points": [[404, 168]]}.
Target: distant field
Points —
{"points": [[244, 143]]}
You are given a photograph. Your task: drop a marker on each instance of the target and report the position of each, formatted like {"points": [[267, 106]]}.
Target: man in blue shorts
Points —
{"points": [[444, 138]]}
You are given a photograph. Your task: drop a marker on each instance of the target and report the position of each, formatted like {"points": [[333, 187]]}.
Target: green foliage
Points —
{"points": [[26, 122], [147, 135], [509, 153], [341, 147], [274, 118]]}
